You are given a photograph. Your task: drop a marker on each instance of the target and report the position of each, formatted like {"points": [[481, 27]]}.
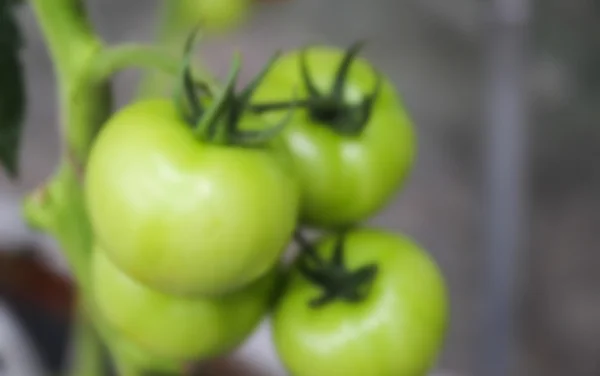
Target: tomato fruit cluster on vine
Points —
{"points": [[194, 199]]}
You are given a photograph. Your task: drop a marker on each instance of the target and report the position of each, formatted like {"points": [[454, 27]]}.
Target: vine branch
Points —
{"points": [[125, 56], [83, 66]]}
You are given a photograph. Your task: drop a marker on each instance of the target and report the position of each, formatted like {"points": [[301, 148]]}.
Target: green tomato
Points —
{"points": [[214, 15], [182, 215], [177, 327], [396, 328], [344, 179]]}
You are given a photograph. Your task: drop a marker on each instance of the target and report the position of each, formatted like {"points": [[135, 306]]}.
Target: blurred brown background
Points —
{"points": [[433, 50]]}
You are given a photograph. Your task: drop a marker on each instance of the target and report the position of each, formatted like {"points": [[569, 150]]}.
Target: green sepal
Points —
{"points": [[334, 279], [337, 91], [217, 119], [331, 109], [188, 92], [210, 121]]}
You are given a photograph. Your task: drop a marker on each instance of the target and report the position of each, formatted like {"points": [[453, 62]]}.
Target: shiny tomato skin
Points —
{"points": [[397, 330], [344, 179], [176, 327], [183, 215]]}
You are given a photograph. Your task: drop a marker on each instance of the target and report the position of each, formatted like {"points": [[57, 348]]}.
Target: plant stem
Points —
{"points": [[73, 45], [132, 55], [88, 360], [58, 208], [68, 33], [171, 37]]}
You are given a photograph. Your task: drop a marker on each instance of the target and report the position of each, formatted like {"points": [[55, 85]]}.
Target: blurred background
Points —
{"points": [[443, 56]]}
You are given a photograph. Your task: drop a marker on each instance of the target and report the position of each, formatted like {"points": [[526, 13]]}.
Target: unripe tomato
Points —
{"points": [[176, 327], [396, 326], [345, 178], [182, 215]]}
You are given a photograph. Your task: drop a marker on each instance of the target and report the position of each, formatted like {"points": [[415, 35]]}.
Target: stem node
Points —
{"points": [[335, 280]]}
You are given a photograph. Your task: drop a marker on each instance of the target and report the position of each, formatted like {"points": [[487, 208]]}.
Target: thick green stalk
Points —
{"points": [[68, 34], [58, 208], [73, 45], [133, 55], [86, 343]]}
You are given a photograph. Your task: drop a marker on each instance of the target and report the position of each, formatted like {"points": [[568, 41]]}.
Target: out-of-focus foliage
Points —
{"points": [[12, 93]]}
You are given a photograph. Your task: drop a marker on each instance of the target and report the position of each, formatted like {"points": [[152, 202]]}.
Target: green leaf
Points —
{"points": [[12, 88]]}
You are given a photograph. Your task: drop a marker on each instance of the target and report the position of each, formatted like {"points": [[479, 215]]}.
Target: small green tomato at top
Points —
{"points": [[368, 302], [351, 139], [213, 15], [194, 199]]}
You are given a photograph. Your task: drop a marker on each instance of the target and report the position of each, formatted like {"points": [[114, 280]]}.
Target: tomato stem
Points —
{"points": [[220, 122], [88, 346], [332, 109], [186, 95], [118, 58], [207, 123], [307, 247], [336, 281]]}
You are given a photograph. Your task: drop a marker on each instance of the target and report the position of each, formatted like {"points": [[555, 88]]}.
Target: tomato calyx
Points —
{"points": [[216, 117], [332, 109], [333, 277]]}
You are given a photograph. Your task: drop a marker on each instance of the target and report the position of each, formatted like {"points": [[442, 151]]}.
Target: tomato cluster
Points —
{"points": [[194, 200]]}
